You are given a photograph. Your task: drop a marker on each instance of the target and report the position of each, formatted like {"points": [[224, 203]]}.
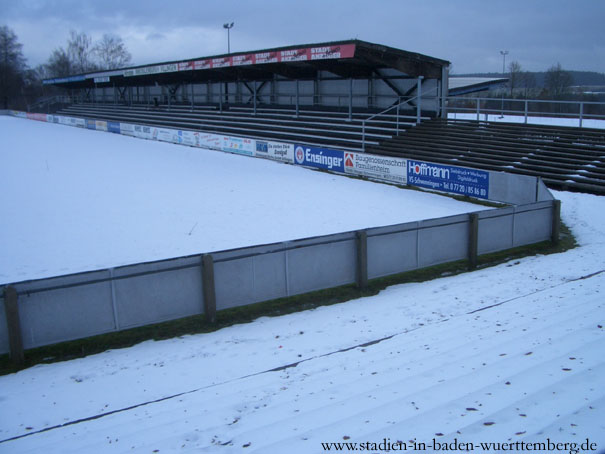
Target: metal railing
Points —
{"points": [[46, 102], [397, 106], [527, 108]]}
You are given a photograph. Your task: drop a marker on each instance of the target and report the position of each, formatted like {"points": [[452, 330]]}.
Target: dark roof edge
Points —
{"points": [[363, 44]]}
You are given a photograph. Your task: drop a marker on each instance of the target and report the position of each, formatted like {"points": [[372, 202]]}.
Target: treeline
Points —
{"points": [[555, 83], [20, 84], [580, 78]]}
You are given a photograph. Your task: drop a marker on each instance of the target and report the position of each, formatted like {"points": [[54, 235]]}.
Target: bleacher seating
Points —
{"points": [[565, 157], [311, 126]]}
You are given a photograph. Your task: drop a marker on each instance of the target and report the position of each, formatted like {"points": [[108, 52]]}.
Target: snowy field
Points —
{"points": [[507, 354], [79, 200], [549, 121]]}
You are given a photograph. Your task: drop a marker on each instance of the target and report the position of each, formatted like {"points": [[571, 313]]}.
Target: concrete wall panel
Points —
{"points": [[392, 253]]}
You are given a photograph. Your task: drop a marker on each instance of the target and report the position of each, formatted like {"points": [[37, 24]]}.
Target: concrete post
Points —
{"points": [[13, 322], [473, 240], [362, 259], [208, 287], [556, 221]]}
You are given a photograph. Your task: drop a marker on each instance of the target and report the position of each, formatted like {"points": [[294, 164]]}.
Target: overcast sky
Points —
{"points": [[469, 33]]}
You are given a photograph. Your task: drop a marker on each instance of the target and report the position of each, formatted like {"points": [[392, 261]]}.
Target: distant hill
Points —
{"points": [[582, 78]]}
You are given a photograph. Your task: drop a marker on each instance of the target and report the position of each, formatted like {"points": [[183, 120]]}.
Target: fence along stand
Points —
{"points": [[15, 341], [208, 287], [473, 240], [362, 259]]}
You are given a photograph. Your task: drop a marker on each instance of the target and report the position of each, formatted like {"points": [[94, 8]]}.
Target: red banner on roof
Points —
{"points": [[326, 52], [221, 62], [246, 59], [202, 64], [267, 57], [278, 56]]}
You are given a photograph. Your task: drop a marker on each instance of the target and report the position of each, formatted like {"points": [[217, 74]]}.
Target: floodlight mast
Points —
{"points": [[228, 26], [504, 53]]}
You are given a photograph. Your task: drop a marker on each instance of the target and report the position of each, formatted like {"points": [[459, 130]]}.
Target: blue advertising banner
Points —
{"points": [[321, 158], [91, 124], [459, 180], [113, 126]]}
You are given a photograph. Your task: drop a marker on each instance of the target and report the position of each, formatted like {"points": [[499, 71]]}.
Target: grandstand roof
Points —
{"points": [[465, 85], [352, 58]]}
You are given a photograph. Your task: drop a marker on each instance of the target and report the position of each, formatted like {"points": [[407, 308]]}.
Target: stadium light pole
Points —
{"points": [[504, 53], [228, 26]]}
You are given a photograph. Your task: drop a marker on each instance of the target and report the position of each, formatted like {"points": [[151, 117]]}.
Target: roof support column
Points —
{"points": [[350, 99], [192, 95], [297, 98], [220, 98], [254, 97], [419, 99], [317, 90], [444, 91], [273, 84]]}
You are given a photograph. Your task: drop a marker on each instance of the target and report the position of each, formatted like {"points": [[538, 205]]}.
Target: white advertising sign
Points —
{"points": [[277, 151], [238, 145], [385, 168]]}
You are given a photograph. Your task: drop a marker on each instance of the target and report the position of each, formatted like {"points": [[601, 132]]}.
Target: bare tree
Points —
{"points": [[111, 52], [59, 64], [515, 71], [12, 68], [527, 83], [557, 80], [80, 52]]}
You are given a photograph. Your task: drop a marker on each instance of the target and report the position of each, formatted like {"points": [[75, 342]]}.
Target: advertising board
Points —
{"points": [[90, 124], [211, 141], [143, 132], [191, 138], [166, 135], [77, 122], [382, 168], [238, 145], [458, 180], [113, 126], [101, 125], [127, 129], [36, 116], [283, 152], [320, 158]]}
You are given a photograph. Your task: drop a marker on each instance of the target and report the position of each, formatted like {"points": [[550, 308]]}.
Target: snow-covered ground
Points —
{"points": [[512, 353], [552, 121], [78, 200]]}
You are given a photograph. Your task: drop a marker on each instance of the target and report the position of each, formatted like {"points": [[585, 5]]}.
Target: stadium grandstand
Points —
{"points": [[351, 95]]}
